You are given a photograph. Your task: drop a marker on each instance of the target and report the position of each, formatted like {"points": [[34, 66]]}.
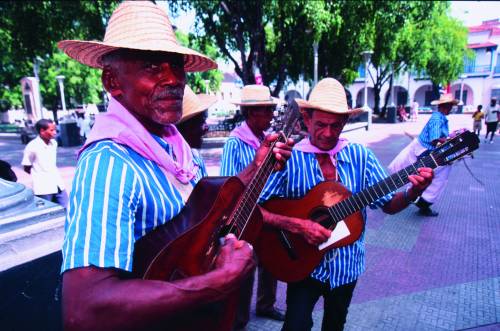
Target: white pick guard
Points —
{"points": [[340, 232]]}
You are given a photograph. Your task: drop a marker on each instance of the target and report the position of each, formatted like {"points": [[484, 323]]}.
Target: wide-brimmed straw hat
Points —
{"points": [[137, 25], [193, 104], [445, 98], [329, 96], [256, 95]]}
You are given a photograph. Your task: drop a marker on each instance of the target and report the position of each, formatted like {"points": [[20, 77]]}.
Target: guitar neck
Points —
{"points": [[360, 200], [248, 201]]}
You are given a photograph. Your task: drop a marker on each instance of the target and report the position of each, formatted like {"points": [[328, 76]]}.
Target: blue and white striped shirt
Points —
{"points": [[117, 197], [358, 168], [436, 127], [236, 156]]}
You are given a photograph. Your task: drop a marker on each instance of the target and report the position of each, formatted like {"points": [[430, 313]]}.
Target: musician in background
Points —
{"points": [[320, 157], [192, 125], [257, 107], [434, 132], [135, 173]]}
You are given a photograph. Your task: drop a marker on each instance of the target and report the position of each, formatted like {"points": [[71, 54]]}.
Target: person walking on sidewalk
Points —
{"points": [[477, 120], [434, 132], [491, 119], [257, 107], [40, 160]]}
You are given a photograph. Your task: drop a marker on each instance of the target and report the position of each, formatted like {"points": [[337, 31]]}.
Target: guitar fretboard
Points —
{"points": [[371, 194], [250, 196]]}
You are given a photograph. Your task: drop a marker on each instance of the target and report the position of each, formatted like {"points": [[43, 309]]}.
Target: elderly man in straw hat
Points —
{"points": [[257, 107], [434, 132], [320, 157], [135, 173]]}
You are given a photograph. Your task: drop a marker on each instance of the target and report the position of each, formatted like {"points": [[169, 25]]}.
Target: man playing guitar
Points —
{"points": [[324, 156], [133, 175]]}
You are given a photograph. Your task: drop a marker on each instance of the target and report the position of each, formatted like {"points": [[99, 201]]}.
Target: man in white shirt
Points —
{"points": [[491, 117], [39, 160]]}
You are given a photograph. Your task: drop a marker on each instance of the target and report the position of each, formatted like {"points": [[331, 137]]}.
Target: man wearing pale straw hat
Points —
{"points": [[434, 132], [320, 157], [257, 107], [134, 173]]}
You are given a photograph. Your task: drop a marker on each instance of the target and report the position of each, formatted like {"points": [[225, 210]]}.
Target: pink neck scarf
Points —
{"points": [[244, 133], [305, 146], [119, 125]]}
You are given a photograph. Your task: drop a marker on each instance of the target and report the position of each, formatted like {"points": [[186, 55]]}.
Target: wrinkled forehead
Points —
{"points": [[326, 117], [138, 56]]}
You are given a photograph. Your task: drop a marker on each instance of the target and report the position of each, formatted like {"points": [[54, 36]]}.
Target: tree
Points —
{"points": [[262, 34], [196, 80], [48, 22]]}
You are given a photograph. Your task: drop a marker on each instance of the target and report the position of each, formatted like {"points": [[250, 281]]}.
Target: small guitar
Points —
{"points": [[290, 258], [187, 246]]}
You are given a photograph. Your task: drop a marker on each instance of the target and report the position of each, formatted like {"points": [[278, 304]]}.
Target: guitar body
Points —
{"points": [[270, 248], [187, 246]]}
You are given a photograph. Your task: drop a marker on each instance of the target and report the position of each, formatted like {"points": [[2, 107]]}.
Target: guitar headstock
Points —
{"points": [[456, 148], [292, 115]]}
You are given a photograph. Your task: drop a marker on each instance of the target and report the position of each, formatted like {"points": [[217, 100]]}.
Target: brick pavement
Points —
{"points": [[422, 273]]}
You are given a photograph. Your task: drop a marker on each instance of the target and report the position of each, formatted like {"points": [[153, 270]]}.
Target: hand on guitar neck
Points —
{"points": [[281, 151]]}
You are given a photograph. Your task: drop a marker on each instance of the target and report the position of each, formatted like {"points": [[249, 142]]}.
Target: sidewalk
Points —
{"points": [[422, 273]]}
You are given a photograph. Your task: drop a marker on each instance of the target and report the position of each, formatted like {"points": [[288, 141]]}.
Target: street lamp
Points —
{"points": [[60, 80], [315, 48], [462, 77], [207, 82], [392, 86], [366, 57]]}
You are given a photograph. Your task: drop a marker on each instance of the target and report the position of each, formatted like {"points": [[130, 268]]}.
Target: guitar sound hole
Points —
{"points": [[321, 215]]}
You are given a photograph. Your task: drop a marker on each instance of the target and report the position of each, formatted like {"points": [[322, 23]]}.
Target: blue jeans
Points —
{"points": [[301, 298], [61, 197]]}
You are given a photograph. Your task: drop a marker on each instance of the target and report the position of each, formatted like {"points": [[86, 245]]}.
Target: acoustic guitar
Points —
{"points": [[187, 245], [290, 258]]}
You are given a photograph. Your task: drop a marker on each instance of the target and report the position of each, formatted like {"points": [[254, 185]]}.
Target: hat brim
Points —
{"points": [[441, 102], [205, 102], [346, 111], [90, 53], [273, 102]]}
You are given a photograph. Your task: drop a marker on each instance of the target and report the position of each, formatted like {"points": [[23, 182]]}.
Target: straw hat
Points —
{"points": [[193, 104], [256, 95], [138, 25], [445, 98], [328, 95]]}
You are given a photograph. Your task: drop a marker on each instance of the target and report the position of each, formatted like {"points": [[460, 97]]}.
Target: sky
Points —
{"points": [[472, 13]]}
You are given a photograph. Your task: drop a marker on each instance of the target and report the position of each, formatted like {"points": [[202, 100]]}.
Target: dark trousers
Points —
{"points": [[301, 298], [266, 296], [61, 197]]}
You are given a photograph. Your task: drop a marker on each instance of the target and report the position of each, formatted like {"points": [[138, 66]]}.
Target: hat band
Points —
{"points": [[256, 100]]}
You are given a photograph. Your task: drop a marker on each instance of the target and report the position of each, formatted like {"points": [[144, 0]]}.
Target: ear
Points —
{"points": [[110, 82]]}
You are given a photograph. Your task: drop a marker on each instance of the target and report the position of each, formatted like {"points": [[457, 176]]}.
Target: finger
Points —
{"points": [[238, 244], [413, 180]]}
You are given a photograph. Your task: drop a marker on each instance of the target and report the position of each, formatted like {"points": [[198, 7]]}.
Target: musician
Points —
{"points": [[434, 132], [325, 156], [192, 125], [257, 107], [135, 172]]}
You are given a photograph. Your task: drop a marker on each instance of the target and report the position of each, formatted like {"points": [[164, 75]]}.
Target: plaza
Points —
{"points": [[421, 273]]}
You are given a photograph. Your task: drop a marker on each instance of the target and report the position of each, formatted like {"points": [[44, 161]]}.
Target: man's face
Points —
{"points": [[324, 128], [446, 108], [151, 85], [260, 117], [49, 133], [194, 129]]}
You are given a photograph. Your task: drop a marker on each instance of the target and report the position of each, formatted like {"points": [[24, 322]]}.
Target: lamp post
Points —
{"points": [[462, 77], [315, 48], [60, 80], [207, 82], [366, 57], [392, 86]]}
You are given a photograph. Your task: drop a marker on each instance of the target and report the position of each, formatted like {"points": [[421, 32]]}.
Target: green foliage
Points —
{"points": [[196, 80], [30, 29]]}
